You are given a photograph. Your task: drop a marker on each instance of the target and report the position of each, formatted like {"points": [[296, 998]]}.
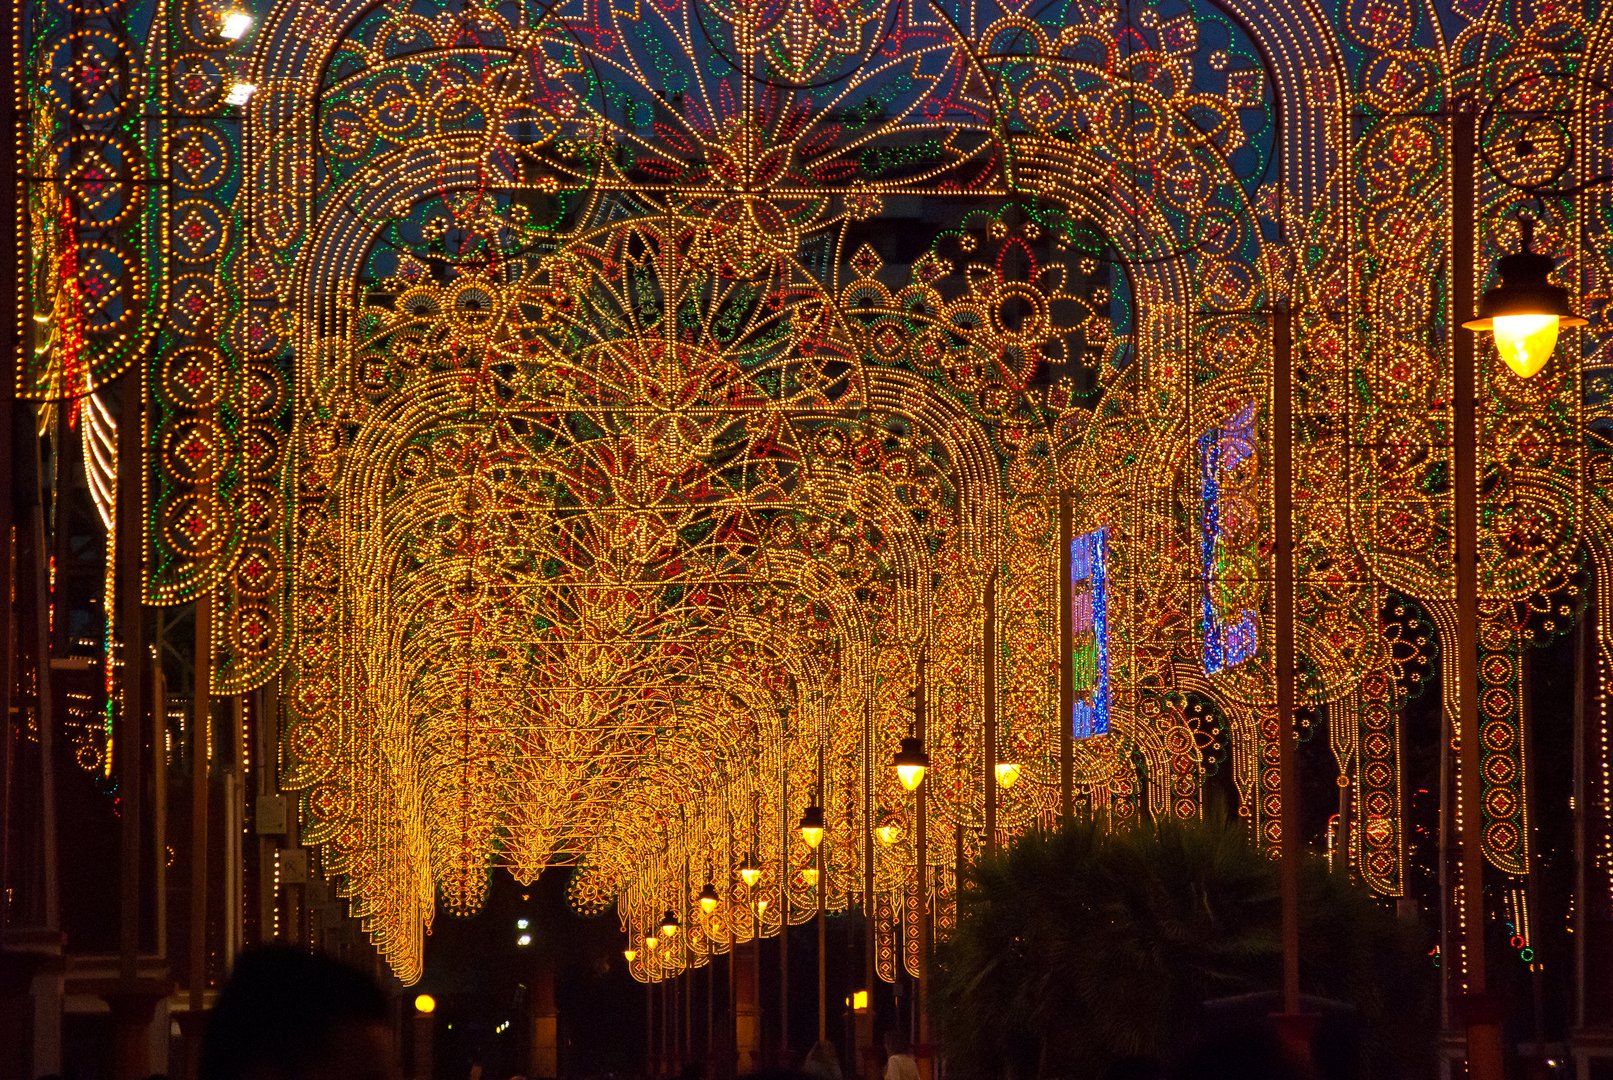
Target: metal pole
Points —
{"points": [[823, 888], [990, 720], [921, 984], [1066, 669], [201, 723], [865, 1027], [1288, 780], [129, 545], [1479, 1013]]}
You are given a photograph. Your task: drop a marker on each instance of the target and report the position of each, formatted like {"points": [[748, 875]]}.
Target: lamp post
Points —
{"points": [[425, 1008], [1524, 313]]}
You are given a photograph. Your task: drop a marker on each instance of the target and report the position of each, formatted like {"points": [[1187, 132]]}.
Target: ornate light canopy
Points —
{"points": [[600, 413]]}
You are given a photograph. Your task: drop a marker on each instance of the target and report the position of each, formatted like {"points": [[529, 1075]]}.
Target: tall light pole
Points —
{"points": [[1524, 313]]}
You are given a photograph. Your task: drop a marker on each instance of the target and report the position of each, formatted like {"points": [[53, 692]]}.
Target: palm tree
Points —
{"points": [[1078, 949]]}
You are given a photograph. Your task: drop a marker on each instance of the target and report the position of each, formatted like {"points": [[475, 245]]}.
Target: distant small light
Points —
{"points": [[524, 939], [521, 924], [239, 93], [235, 25]]}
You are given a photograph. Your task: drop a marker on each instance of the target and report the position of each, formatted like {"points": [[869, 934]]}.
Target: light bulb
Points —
{"points": [[651, 941], [810, 876], [234, 25], [630, 954], [1525, 341], [1007, 774]]}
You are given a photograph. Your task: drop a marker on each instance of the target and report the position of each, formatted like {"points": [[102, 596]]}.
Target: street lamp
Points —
{"points": [[709, 899], [630, 954], [749, 872], [1007, 774], [669, 924], [1525, 310], [911, 762], [812, 826]]}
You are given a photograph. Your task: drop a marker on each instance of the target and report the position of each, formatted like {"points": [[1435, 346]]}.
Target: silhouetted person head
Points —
{"points": [[286, 1014]]}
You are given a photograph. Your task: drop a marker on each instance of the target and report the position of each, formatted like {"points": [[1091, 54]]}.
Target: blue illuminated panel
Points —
{"points": [[1229, 636], [1089, 639]]}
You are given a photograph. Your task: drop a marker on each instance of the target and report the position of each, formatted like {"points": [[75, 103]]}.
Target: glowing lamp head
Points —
{"points": [[859, 1001], [234, 24], [1525, 342], [651, 941], [911, 763], [749, 872], [669, 924], [630, 955], [709, 898], [240, 93], [810, 876], [761, 907], [425, 1004], [1525, 311], [812, 826], [1007, 774]]}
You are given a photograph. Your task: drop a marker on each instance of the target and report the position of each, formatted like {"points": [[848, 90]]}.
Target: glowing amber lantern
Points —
{"points": [[812, 826], [749, 872], [669, 924], [810, 876], [651, 941], [911, 762], [709, 899], [630, 954], [425, 1004], [1526, 310], [1007, 774], [888, 830]]}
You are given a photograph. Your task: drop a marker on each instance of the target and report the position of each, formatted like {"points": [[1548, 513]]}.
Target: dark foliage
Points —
{"points": [[1090, 950]]}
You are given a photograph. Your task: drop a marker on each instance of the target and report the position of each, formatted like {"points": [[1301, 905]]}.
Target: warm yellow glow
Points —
{"points": [[708, 904], [1525, 341], [630, 954], [859, 1001], [911, 776], [234, 25], [425, 1004], [651, 941], [761, 907], [1007, 774], [813, 835], [669, 930], [750, 875], [810, 875], [888, 832]]}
